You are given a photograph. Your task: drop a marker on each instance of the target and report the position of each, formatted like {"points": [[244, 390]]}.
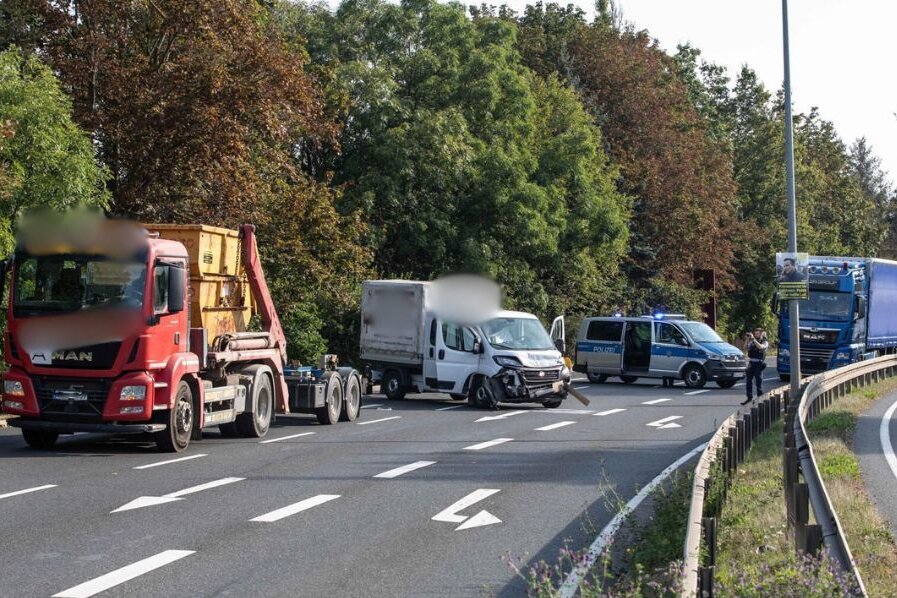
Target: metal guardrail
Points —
{"points": [[726, 450]]}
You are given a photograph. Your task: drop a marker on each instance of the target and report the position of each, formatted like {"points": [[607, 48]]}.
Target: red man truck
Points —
{"points": [[141, 330]]}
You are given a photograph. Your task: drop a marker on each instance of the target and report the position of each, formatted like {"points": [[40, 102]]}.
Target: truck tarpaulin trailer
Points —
{"points": [[125, 329], [851, 313]]}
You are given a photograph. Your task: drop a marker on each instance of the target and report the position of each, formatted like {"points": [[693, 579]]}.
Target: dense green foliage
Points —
{"points": [[576, 162]]}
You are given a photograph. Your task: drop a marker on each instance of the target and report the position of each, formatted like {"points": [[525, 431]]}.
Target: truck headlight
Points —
{"points": [[13, 405], [507, 361], [842, 355], [13, 388], [132, 393], [785, 353]]}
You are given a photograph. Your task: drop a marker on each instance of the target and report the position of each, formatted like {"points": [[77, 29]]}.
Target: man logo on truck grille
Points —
{"points": [[72, 356]]}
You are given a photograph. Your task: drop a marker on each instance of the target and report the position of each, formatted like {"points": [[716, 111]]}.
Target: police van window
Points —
{"points": [[457, 337], [600, 330], [668, 334]]}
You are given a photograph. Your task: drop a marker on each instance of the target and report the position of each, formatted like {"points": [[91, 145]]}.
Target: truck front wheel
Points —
{"points": [[176, 436], [40, 439]]}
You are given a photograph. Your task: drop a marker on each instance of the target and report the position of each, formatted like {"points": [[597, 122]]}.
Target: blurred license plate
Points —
{"points": [[69, 395]]}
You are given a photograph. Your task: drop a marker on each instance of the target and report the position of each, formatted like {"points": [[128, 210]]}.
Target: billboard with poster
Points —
{"points": [[791, 275]]}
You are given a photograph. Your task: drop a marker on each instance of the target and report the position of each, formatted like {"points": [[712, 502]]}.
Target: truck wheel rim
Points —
{"points": [[353, 398], [184, 417], [263, 410], [393, 385]]}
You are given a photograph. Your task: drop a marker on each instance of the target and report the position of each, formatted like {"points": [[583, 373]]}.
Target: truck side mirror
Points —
{"points": [[4, 268], [176, 289], [861, 308]]}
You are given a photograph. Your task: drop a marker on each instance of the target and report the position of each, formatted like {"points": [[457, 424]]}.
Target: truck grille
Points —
{"points": [[813, 361], [538, 377], [828, 337], [53, 405]]}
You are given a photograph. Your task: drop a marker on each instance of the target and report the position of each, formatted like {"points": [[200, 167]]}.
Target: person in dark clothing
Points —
{"points": [[755, 348], [790, 273]]}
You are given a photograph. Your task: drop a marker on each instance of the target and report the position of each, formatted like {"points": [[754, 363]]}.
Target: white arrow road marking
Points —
{"points": [[450, 514], [656, 401], [120, 576], [452, 407], [27, 491], [697, 392], [480, 519], [554, 426], [285, 437], [482, 445], [490, 418], [372, 406], [148, 501], [394, 473], [610, 412], [669, 425], [158, 463], [374, 421], [661, 422], [302, 505]]}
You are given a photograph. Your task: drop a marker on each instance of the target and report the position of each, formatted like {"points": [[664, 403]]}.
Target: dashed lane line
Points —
{"points": [[554, 426], [375, 421], [697, 392], [656, 401], [487, 444], [394, 473], [450, 407], [27, 491], [569, 411], [120, 576], [610, 412], [372, 406], [291, 436], [158, 463], [504, 415], [302, 505], [582, 387]]}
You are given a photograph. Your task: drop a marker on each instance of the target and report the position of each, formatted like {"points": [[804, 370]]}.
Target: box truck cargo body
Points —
{"points": [[410, 348]]}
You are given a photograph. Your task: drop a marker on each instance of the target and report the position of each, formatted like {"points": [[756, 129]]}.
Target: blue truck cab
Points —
{"points": [[851, 314], [658, 346]]}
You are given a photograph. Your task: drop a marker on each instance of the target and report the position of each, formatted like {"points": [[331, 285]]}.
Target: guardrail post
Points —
{"points": [[813, 539], [705, 582], [748, 434], [733, 447], [742, 440], [755, 421], [708, 525], [789, 471], [727, 455], [801, 516], [767, 415]]}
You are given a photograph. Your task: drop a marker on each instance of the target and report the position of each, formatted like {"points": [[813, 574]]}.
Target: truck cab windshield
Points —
{"points": [[826, 306], [517, 333], [53, 284]]}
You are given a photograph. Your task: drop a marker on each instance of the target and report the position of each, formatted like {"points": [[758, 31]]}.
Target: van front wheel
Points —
{"points": [[694, 376]]}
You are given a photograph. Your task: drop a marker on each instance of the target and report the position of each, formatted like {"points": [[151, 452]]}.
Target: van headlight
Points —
{"points": [[507, 361]]}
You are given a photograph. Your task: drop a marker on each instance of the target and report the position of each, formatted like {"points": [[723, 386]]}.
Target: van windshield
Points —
{"points": [[700, 332], [517, 333]]}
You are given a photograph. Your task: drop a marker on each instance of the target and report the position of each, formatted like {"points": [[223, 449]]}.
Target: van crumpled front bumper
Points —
{"points": [[523, 385]]}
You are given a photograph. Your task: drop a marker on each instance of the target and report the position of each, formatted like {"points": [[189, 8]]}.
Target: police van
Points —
{"points": [[658, 346]]}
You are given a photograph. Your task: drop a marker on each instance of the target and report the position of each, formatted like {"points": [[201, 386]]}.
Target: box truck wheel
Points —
{"points": [[256, 424], [352, 400], [176, 436], [392, 385], [333, 397], [40, 439]]}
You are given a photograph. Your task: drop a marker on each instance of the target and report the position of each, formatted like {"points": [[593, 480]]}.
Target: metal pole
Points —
{"points": [[793, 311]]}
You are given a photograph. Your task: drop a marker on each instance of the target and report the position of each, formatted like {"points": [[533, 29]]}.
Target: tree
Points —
{"points": [[45, 159]]}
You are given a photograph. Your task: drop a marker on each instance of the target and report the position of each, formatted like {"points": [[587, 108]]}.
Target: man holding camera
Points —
{"points": [[755, 347]]}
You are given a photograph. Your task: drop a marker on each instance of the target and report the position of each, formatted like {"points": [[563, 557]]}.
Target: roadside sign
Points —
{"points": [[791, 276]]}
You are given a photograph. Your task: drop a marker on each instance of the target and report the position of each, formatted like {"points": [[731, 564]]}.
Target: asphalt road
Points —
{"points": [[304, 513], [874, 444]]}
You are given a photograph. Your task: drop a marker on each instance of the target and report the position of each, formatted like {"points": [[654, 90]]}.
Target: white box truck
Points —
{"points": [[410, 348]]}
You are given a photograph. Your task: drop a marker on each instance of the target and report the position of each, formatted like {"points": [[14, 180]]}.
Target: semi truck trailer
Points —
{"points": [[153, 337], [851, 314], [410, 348]]}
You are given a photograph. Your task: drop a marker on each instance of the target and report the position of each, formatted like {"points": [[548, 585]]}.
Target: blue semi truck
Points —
{"points": [[851, 314]]}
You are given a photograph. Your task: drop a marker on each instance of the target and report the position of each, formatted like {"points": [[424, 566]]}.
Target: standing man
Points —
{"points": [[790, 273], [755, 348]]}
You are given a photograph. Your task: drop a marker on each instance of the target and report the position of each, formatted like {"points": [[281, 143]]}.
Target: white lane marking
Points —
{"points": [[669, 425], [394, 473], [158, 463], [610, 412], [27, 491], [483, 445], [571, 584], [302, 505], [661, 422], [120, 576], [285, 437], [697, 392], [149, 501], [656, 401], [570, 411], [371, 406], [384, 408], [480, 519], [554, 426], [450, 514], [374, 421], [505, 415], [452, 407], [739, 384], [582, 387], [885, 437]]}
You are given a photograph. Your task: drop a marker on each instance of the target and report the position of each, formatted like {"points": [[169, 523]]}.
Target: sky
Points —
{"points": [[843, 55]]}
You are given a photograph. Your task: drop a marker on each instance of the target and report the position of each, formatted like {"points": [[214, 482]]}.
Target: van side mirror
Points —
{"points": [[560, 345], [176, 289]]}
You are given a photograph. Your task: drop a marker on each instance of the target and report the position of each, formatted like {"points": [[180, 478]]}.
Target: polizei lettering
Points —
{"points": [[72, 356]]}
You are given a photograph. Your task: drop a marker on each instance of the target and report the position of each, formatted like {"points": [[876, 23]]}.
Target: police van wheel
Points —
{"points": [[597, 378], [694, 376], [726, 383], [628, 379]]}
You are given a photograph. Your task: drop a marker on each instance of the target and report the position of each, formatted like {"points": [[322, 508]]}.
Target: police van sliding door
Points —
{"points": [[603, 347]]}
